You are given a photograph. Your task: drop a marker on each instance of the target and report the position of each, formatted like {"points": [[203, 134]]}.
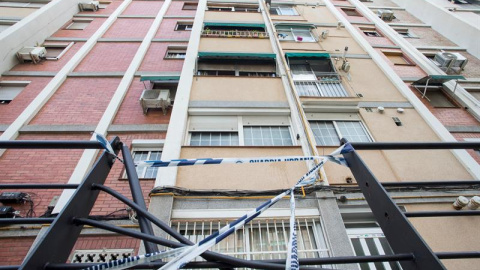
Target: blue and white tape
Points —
{"points": [[225, 231], [136, 260], [292, 254], [104, 142]]}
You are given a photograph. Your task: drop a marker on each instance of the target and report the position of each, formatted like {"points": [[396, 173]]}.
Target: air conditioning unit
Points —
{"points": [[447, 61], [92, 5], [155, 98], [385, 14], [33, 54]]}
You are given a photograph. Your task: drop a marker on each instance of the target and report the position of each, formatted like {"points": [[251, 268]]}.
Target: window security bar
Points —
{"points": [[234, 33], [64, 231]]}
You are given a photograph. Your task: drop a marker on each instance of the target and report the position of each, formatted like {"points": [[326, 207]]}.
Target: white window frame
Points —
{"points": [[243, 121], [285, 10], [7, 98], [187, 27], [176, 50], [338, 117], [405, 32], [85, 21], [146, 146], [65, 46], [294, 33], [202, 219]]}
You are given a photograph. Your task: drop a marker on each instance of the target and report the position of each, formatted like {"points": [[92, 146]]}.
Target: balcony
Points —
{"points": [[326, 84], [234, 34]]}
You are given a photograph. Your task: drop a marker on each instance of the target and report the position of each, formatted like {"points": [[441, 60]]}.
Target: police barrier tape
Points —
{"points": [[186, 254], [292, 251], [225, 231], [135, 260]]}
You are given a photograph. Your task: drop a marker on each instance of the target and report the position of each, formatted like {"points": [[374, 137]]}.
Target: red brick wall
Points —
{"points": [[375, 40], [39, 166], [109, 56], [175, 8], [131, 112], [78, 101], [403, 70], [352, 18], [107, 242], [50, 65], [85, 33], [107, 11], [9, 112], [143, 8], [13, 250], [463, 136], [154, 59], [129, 28], [167, 30]]}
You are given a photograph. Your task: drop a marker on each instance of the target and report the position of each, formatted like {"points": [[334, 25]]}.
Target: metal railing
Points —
{"points": [[234, 34]]}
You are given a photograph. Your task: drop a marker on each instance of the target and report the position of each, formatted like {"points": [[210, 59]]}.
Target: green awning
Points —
{"points": [[306, 55], [207, 24], [159, 78], [236, 55], [294, 25], [437, 79]]}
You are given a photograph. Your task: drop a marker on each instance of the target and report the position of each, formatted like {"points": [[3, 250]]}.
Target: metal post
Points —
{"points": [[400, 233], [58, 241], [137, 195]]}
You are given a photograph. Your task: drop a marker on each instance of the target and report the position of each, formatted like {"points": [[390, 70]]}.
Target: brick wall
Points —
{"points": [[10, 112], [145, 8], [13, 250], [85, 33], [154, 59], [129, 28], [109, 57], [175, 8], [375, 40], [107, 242], [167, 30], [78, 101], [106, 11]]}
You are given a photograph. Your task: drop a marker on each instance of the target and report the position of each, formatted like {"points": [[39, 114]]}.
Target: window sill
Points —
{"points": [[410, 65], [141, 179]]}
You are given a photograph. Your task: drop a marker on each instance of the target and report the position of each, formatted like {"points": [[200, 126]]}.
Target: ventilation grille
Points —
{"points": [[100, 255], [368, 109]]}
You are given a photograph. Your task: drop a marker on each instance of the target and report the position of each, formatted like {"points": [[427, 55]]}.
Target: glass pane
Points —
{"points": [[267, 136], [324, 132], [139, 156], [214, 139], [353, 131]]}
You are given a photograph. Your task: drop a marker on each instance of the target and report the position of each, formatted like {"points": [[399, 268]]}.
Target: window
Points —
{"points": [[397, 58], [283, 10], [366, 236], [10, 89], [351, 12], [438, 98], [214, 139], [330, 132], [55, 50], [147, 172], [297, 34], [233, 8], [190, 6], [237, 67], [239, 131], [176, 53], [79, 24], [261, 239], [104, 4], [184, 26], [370, 31], [404, 32], [316, 78], [474, 91]]}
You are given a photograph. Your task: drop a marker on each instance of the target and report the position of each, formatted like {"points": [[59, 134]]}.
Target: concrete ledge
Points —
{"points": [[409, 25], [169, 40], [91, 15], [120, 40], [96, 74], [461, 129], [354, 56], [136, 17], [66, 39], [445, 48], [386, 46], [30, 73], [138, 128], [374, 104], [180, 17], [150, 73], [237, 104], [384, 7]]}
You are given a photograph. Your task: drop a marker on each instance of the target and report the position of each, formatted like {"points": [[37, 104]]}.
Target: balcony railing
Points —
{"points": [[234, 34], [327, 84]]}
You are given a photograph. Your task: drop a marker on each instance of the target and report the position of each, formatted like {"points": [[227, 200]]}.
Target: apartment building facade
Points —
{"points": [[187, 80]]}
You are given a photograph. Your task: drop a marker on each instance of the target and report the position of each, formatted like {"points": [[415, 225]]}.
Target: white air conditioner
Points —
{"points": [[446, 60], [33, 54], [385, 14], [92, 5], [155, 98]]}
